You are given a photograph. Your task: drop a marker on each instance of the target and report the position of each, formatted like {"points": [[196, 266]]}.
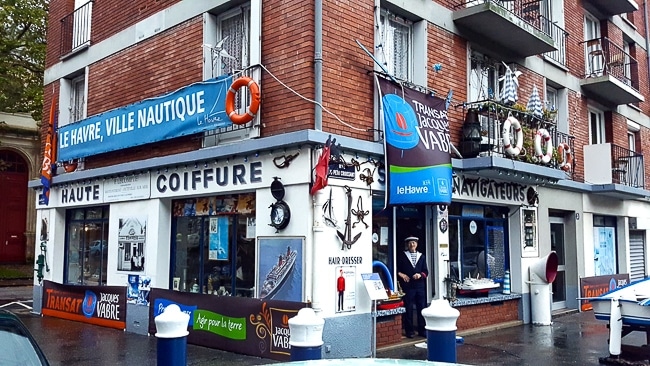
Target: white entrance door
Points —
{"points": [[557, 244]]}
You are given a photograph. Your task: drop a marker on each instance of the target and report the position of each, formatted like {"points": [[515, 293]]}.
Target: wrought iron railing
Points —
{"points": [[603, 57], [75, 29], [627, 167], [559, 36], [483, 134]]}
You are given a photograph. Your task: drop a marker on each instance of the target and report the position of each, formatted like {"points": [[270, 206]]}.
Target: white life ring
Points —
{"points": [[564, 151], [507, 145], [539, 154]]}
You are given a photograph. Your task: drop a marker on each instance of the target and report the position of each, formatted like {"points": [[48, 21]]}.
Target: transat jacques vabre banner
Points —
{"points": [[416, 145]]}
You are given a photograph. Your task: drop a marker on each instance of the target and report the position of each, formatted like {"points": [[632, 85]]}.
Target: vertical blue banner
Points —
{"points": [[417, 146]]}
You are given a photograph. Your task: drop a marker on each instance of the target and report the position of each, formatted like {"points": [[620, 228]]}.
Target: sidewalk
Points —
{"points": [[573, 339], [576, 339]]}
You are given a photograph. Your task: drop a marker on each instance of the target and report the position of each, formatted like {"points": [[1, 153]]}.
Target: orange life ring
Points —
{"points": [[240, 119], [564, 151], [70, 166]]}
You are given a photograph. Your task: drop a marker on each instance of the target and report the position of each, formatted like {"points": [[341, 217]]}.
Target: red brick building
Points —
{"points": [[143, 184]]}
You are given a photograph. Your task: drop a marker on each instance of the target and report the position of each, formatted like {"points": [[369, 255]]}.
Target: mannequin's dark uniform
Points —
{"points": [[415, 290]]}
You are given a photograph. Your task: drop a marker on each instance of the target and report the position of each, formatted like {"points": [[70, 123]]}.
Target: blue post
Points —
{"points": [[171, 331], [306, 335], [441, 331]]}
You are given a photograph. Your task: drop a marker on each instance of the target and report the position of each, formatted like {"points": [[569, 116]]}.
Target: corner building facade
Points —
{"points": [[160, 197]]}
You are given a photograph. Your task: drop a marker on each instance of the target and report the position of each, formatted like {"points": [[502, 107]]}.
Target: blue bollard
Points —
{"points": [[306, 335], [441, 331], [171, 331]]}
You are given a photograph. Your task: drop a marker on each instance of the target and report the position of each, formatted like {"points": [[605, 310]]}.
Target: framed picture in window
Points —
{"points": [[280, 268]]}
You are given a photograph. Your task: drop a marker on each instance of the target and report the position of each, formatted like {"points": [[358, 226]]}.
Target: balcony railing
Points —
{"points": [[603, 57], [559, 36], [490, 116], [530, 12], [75, 29], [627, 167]]}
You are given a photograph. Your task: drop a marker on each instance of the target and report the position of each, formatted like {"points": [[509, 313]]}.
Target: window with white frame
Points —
{"points": [[596, 127], [594, 55], [483, 78], [82, 26], [72, 100], [396, 40], [633, 129], [228, 41]]}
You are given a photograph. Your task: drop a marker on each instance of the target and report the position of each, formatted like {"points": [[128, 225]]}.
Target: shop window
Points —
{"points": [[86, 253], [213, 246], [605, 252], [478, 241]]}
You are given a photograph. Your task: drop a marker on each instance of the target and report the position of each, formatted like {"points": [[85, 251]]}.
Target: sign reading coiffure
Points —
{"points": [[417, 146], [192, 109], [99, 305], [235, 324]]}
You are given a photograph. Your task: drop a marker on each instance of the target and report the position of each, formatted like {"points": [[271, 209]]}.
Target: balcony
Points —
{"points": [[611, 73], [615, 171], [483, 149], [514, 27], [75, 30], [608, 8]]}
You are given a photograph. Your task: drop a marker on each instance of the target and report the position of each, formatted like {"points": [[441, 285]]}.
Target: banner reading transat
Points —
{"points": [[416, 145]]}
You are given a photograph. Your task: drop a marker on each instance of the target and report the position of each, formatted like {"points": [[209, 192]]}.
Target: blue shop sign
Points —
{"points": [[192, 109]]}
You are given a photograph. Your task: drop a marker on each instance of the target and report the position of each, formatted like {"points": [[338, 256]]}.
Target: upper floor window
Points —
{"points": [[228, 40], [396, 40], [73, 100], [75, 27], [483, 78], [596, 127]]}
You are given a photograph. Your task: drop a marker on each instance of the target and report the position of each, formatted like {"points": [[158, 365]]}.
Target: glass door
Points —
{"points": [[557, 245]]}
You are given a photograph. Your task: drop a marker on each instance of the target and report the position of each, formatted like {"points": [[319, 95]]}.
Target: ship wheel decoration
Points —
{"points": [[280, 212], [346, 237]]}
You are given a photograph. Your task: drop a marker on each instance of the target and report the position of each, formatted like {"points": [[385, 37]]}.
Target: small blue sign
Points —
{"points": [[192, 109]]}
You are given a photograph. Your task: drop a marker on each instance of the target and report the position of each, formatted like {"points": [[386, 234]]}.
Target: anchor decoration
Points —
{"points": [[328, 214], [360, 213], [346, 238]]}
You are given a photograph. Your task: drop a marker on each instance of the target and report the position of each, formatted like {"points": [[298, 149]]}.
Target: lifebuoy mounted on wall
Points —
{"points": [[70, 166], [544, 157], [251, 111], [507, 144], [564, 151]]}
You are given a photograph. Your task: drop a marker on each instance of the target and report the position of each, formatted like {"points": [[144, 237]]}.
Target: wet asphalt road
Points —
{"points": [[576, 339]]}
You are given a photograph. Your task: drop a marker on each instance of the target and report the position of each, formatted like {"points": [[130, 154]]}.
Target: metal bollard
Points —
{"points": [[306, 335], [171, 331], [441, 331]]}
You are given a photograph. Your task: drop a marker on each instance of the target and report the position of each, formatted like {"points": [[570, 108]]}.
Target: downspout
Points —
{"points": [[318, 235], [647, 35], [318, 64]]}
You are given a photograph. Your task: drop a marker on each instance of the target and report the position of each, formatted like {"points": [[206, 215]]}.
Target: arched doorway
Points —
{"points": [[13, 195]]}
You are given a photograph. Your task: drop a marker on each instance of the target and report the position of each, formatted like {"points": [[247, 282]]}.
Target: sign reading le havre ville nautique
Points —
{"points": [[192, 109]]}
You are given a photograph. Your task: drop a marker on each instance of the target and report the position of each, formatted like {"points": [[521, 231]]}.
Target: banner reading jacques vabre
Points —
{"points": [[416, 146]]}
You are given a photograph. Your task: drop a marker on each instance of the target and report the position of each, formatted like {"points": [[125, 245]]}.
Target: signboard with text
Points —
{"points": [[236, 324], [195, 108]]}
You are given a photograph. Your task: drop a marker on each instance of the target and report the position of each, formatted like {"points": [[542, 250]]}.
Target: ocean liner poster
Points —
{"points": [[280, 268]]}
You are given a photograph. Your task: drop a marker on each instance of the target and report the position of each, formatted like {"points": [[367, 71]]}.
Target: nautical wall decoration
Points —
{"points": [[280, 212], [360, 213], [328, 212], [321, 170], [283, 161], [346, 237]]}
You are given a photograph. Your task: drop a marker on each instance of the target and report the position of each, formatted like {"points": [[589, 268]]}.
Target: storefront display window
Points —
{"points": [[478, 241], [87, 245], [214, 249], [605, 245]]}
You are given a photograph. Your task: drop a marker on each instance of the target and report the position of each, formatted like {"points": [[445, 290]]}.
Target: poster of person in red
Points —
{"points": [[340, 287]]}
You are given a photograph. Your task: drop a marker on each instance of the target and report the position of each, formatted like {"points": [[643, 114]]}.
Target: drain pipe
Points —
{"points": [[647, 35], [318, 64]]}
